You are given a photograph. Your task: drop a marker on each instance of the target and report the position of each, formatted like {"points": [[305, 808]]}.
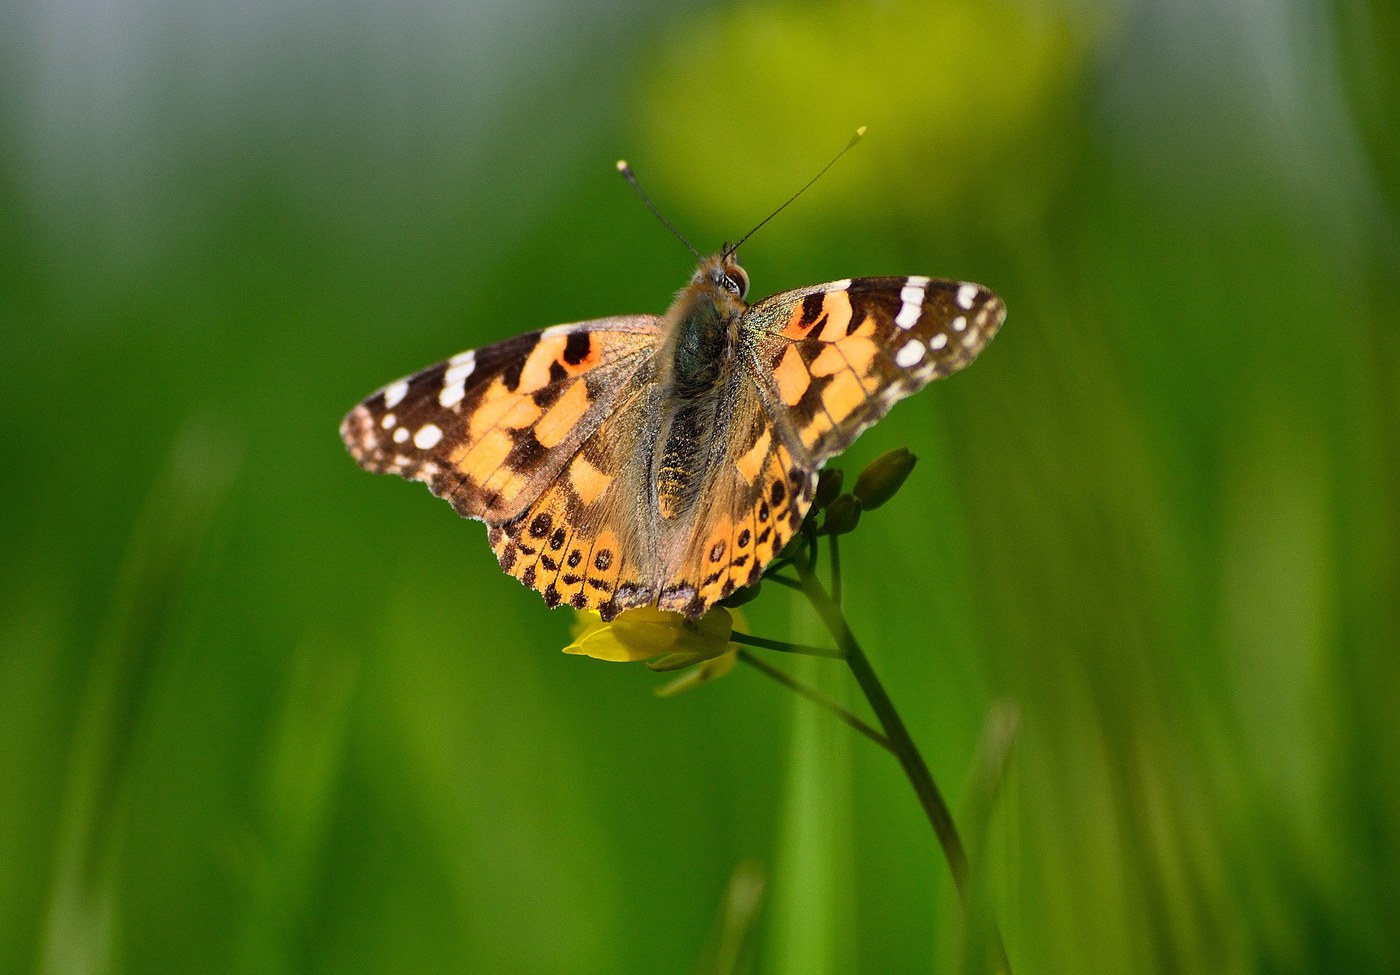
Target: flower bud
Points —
{"points": [[740, 596], [793, 547], [828, 487], [883, 477], [842, 515]]}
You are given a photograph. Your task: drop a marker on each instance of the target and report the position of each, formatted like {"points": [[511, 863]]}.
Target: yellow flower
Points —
{"points": [[668, 640]]}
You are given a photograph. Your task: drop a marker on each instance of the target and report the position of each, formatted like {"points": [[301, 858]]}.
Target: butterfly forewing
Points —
{"points": [[832, 359], [490, 428]]}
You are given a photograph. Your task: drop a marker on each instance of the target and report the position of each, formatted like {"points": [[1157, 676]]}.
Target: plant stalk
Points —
{"points": [[901, 744], [816, 697]]}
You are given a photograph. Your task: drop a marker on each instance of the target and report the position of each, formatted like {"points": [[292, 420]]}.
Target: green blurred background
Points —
{"points": [[262, 712]]}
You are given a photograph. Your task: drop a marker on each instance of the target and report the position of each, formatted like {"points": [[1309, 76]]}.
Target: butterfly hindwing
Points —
{"points": [[832, 359], [586, 540], [756, 495], [490, 428]]}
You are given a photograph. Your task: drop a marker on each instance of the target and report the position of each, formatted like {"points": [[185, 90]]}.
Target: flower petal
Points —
{"points": [[647, 632]]}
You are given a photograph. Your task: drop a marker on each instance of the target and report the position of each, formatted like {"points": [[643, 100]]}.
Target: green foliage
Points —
{"points": [[261, 712]]}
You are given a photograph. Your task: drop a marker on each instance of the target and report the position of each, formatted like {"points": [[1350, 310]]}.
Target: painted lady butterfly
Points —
{"points": [[645, 460]]}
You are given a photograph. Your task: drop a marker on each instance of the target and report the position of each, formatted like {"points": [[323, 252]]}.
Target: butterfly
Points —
{"points": [[665, 460]]}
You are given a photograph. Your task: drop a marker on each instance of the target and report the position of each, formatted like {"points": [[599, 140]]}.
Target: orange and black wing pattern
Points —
{"points": [[832, 359], [491, 428]]}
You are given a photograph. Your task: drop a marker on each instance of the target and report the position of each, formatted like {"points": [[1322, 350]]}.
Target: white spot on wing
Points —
{"points": [[842, 285], [427, 436], [938, 341], [911, 352], [393, 395], [912, 294], [401, 434], [454, 381], [960, 323], [388, 422], [965, 295], [554, 330]]}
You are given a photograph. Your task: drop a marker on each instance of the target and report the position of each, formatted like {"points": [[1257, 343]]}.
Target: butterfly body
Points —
{"points": [[665, 460], [697, 369]]}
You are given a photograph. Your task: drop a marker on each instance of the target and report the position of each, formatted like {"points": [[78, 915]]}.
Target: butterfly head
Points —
{"points": [[723, 272]]}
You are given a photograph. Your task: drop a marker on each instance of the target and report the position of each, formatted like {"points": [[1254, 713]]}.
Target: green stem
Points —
{"points": [[783, 581], [915, 769], [935, 808], [764, 643], [836, 570], [809, 532], [817, 697]]}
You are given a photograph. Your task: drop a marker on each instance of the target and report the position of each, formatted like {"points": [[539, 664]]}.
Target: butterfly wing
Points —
{"points": [[492, 428], [589, 538], [755, 495], [830, 360]]}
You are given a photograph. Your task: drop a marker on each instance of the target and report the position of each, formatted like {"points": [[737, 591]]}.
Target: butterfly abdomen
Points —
{"points": [[681, 455]]}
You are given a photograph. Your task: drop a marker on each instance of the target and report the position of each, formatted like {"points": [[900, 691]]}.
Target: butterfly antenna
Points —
{"points": [[860, 133], [631, 177]]}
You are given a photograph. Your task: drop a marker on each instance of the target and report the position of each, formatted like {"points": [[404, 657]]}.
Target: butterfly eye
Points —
{"points": [[736, 280]]}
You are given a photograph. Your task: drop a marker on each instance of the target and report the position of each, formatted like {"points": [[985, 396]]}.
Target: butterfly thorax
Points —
{"points": [[696, 372]]}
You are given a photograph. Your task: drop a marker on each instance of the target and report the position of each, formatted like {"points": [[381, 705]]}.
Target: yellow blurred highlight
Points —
{"points": [[947, 89]]}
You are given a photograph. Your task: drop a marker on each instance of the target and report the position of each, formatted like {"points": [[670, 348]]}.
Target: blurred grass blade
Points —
{"points": [[988, 774], [813, 879], [989, 767], [305, 751], [81, 914], [738, 914]]}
